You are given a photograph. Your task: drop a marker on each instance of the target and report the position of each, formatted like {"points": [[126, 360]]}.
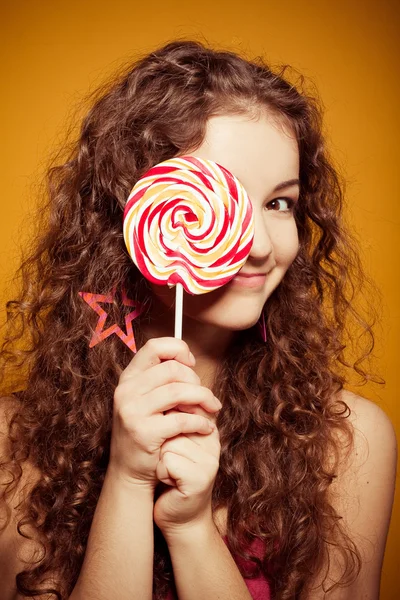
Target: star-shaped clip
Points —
{"points": [[99, 334]]}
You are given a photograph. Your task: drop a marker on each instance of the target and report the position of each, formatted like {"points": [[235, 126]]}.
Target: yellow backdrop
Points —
{"points": [[53, 53]]}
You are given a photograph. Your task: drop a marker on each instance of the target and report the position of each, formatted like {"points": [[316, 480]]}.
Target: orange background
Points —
{"points": [[53, 54]]}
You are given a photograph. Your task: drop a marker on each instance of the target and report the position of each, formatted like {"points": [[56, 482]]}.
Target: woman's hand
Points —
{"points": [[158, 379], [189, 463]]}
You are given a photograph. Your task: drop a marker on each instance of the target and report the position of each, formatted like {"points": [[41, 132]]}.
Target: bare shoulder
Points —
{"points": [[365, 411], [14, 549], [375, 439], [363, 493], [370, 472]]}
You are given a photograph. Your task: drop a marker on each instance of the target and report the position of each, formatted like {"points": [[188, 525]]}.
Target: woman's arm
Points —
{"points": [[363, 495], [203, 566], [119, 555]]}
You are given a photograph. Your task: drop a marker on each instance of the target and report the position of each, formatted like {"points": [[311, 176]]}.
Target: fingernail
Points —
{"points": [[192, 358]]}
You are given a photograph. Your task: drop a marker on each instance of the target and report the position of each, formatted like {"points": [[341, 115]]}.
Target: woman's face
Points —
{"points": [[263, 154]]}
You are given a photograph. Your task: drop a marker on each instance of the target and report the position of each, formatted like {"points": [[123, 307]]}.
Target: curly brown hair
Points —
{"points": [[283, 421]]}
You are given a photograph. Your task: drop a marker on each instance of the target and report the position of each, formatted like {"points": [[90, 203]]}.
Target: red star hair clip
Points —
{"points": [[101, 334]]}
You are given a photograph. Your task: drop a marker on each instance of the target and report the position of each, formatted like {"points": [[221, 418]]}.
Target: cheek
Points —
{"points": [[286, 244]]}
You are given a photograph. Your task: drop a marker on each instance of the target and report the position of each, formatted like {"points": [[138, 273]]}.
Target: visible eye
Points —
{"points": [[275, 204]]}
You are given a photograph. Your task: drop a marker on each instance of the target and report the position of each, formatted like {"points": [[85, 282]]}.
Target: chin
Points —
{"points": [[228, 320]]}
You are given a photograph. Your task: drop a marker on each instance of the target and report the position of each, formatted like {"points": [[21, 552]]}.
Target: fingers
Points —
{"points": [[157, 375], [189, 461], [189, 477], [157, 350], [180, 394], [164, 373], [194, 410], [163, 474], [192, 450], [171, 425]]}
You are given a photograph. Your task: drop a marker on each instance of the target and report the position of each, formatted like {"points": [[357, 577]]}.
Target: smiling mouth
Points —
{"points": [[251, 280], [244, 274]]}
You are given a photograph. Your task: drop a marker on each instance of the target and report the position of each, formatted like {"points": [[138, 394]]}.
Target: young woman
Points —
{"points": [[224, 466]]}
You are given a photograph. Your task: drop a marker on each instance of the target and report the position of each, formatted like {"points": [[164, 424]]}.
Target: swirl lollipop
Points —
{"points": [[188, 222]]}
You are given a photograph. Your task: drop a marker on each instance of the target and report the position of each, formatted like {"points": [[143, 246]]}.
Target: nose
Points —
{"points": [[262, 244]]}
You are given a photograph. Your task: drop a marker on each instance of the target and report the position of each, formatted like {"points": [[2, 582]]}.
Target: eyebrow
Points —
{"points": [[286, 184]]}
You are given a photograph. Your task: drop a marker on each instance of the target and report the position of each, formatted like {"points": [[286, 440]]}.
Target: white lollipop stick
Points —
{"points": [[178, 310]]}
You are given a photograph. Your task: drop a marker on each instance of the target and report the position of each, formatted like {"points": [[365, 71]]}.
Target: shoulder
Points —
{"points": [[370, 466], [373, 462], [375, 442], [366, 413], [363, 492], [369, 473]]}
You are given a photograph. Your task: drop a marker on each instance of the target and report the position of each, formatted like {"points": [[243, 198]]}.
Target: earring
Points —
{"points": [[262, 328], [94, 301]]}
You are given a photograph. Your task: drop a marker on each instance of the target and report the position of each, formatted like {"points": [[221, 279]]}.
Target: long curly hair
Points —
{"points": [[283, 421]]}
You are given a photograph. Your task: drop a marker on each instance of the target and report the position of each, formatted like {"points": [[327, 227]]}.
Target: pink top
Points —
{"points": [[258, 587]]}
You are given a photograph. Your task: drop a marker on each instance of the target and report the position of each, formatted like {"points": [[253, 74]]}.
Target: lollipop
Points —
{"points": [[188, 222]]}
